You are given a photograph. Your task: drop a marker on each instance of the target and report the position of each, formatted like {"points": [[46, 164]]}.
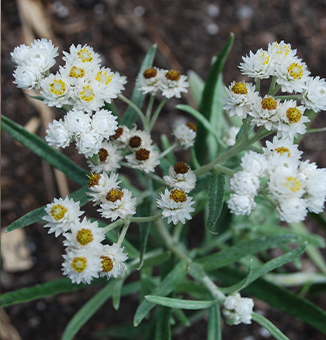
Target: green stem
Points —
{"points": [[316, 130], [224, 170], [257, 82], [272, 86], [136, 108], [289, 96], [172, 147], [274, 91], [277, 334], [112, 226], [146, 219], [149, 107], [156, 113], [124, 230]]}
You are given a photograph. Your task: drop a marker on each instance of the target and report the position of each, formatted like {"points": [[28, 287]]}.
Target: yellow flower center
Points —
{"points": [[173, 75], [58, 211], [58, 87], [93, 180], [264, 57], [104, 77], [178, 196], [239, 88], [87, 94], [76, 72], [114, 195], [85, 55], [284, 49], [107, 264], [295, 70], [103, 154], [142, 154], [192, 126], [293, 184], [79, 264], [282, 150], [269, 104], [181, 168], [293, 114], [150, 73], [84, 236]]}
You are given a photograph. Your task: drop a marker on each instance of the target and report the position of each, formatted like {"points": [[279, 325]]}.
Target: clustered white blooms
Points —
{"points": [[237, 309], [185, 134], [296, 186], [86, 257], [170, 83]]}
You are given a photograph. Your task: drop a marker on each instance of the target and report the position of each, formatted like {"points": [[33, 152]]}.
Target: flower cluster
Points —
{"points": [[290, 74], [237, 309], [296, 186], [170, 83], [86, 257]]}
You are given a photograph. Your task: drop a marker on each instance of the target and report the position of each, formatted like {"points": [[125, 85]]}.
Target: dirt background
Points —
{"points": [[188, 34]]}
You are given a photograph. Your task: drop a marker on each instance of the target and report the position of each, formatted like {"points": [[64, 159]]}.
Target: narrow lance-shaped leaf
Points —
{"points": [[272, 329], [118, 283], [42, 149], [180, 303], [215, 199], [138, 97], [232, 254], [206, 104], [167, 285], [37, 214], [163, 323], [214, 330]]}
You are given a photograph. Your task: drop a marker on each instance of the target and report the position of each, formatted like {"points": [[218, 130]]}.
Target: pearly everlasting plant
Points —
{"points": [[210, 199]]}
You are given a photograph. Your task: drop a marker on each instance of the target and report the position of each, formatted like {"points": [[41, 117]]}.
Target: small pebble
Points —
{"points": [[213, 10], [212, 29]]}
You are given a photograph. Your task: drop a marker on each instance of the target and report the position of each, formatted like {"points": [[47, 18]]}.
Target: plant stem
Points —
{"points": [[112, 226], [149, 107], [164, 153], [146, 218], [156, 113], [124, 230], [272, 86]]}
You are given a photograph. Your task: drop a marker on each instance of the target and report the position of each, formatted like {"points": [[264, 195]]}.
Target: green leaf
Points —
{"points": [[196, 86], [215, 199], [55, 287], [165, 145], [273, 330], [266, 268], [122, 331], [278, 297], [86, 312], [214, 331], [180, 303], [167, 285], [163, 323], [118, 283], [206, 104], [157, 259], [42, 149], [232, 254], [138, 97], [37, 214], [182, 317]]}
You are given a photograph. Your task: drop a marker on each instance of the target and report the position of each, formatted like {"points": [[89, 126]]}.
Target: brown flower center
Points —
{"points": [[118, 133], [114, 195], [135, 142], [103, 154], [93, 181], [178, 196], [192, 126], [181, 168], [173, 75], [142, 154], [150, 73]]}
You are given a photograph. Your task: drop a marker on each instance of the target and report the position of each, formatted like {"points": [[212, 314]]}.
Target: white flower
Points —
{"points": [[244, 183], [144, 159], [282, 146], [254, 163], [100, 185], [139, 139], [121, 136], [55, 90], [292, 74], [150, 80], [109, 158], [286, 183], [292, 120], [82, 54], [118, 203], [315, 204], [77, 122], [314, 94], [176, 205], [181, 177], [84, 234], [240, 99], [258, 65], [61, 214], [110, 83], [173, 84], [279, 51], [27, 77], [19, 55], [265, 111], [292, 209], [112, 258], [58, 135], [81, 265], [316, 183], [185, 134], [229, 137], [241, 204], [78, 74], [104, 123], [238, 309], [89, 143], [88, 97]]}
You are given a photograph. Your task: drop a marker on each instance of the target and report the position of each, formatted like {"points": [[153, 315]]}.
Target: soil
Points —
{"points": [[188, 34]]}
